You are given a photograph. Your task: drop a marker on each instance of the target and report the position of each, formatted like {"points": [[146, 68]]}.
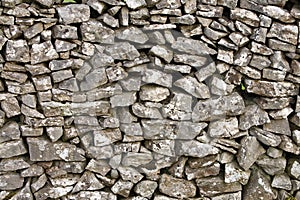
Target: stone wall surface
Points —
{"points": [[149, 99]]}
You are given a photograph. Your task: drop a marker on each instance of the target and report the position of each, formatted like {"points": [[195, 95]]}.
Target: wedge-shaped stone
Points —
{"points": [[265, 137], [157, 77], [192, 86], [199, 149], [41, 149], [253, 116], [106, 136], [11, 181], [272, 166], [122, 51], [43, 52], [13, 164], [88, 181], [216, 108], [191, 46], [132, 34]]}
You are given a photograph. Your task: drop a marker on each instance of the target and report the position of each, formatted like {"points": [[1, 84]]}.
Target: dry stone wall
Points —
{"points": [[149, 99]]}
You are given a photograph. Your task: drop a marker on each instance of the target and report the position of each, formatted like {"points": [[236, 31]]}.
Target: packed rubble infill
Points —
{"points": [[150, 99]]}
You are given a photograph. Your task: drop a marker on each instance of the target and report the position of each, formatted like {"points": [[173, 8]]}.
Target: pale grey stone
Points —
{"points": [[33, 170], [157, 77], [82, 195], [33, 31], [195, 173], [42, 52], [282, 181], [220, 87], [116, 73], [162, 52], [122, 51], [63, 46], [10, 131], [123, 99], [286, 33], [146, 188], [265, 137], [235, 196], [11, 107], [87, 181], [17, 50], [13, 164], [192, 86], [130, 174], [191, 46], [245, 16], [136, 159], [132, 34], [94, 79], [234, 173], [64, 32], [225, 56], [249, 152], [144, 111], [223, 128], [73, 13], [122, 188], [12, 148], [95, 31], [199, 149], [253, 116], [11, 181], [192, 60], [106, 136], [261, 49]]}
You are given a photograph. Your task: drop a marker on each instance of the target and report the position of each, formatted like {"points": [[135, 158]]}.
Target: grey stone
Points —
{"points": [[31, 112], [258, 189], [243, 57], [234, 173], [282, 46], [261, 49], [144, 111], [130, 174], [109, 20], [191, 46], [92, 195], [75, 13], [272, 166], [10, 131], [164, 147], [253, 116], [11, 107], [12, 148], [175, 187], [52, 192], [116, 73], [192, 86], [199, 149], [245, 16], [14, 76], [61, 75], [11, 181], [87, 181], [192, 60], [225, 56], [41, 149], [42, 52], [153, 93], [275, 75], [162, 52], [249, 152], [211, 186], [64, 32], [24, 193], [54, 133], [235, 196], [124, 99], [122, 51], [95, 31], [13, 164], [7, 20], [282, 181], [288, 145], [37, 69], [278, 13], [95, 78], [286, 33], [220, 87], [132, 34], [223, 128], [185, 19], [33, 170], [135, 4], [167, 129], [146, 188], [272, 103], [63, 46], [136, 159], [293, 168], [265, 137], [122, 188], [106, 136], [157, 77], [271, 89], [216, 108], [209, 11], [42, 82], [212, 170], [280, 126], [279, 61], [17, 50], [259, 35]]}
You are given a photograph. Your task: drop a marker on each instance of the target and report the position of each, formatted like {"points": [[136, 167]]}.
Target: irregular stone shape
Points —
{"points": [[42, 82], [12, 148], [30, 112], [211, 186], [261, 49], [216, 108], [185, 19], [293, 168], [175, 187], [132, 34], [7, 20], [82, 195], [286, 33], [282, 181], [52, 192], [234, 173], [61, 75], [157, 77], [279, 61], [70, 85], [33, 170], [272, 166], [288, 145], [106, 136], [199, 149], [258, 187], [278, 13], [167, 129], [271, 89], [245, 16], [144, 111], [225, 56], [73, 13], [95, 78], [164, 147], [17, 50], [42, 52], [122, 51], [192, 86], [146, 188], [54, 133], [116, 73], [130, 174], [136, 159], [253, 116], [191, 46], [243, 57], [211, 170], [179, 108], [135, 4], [13, 164], [95, 31], [280, 126], [122, 188], [272, 103], [11, 107], [276, 75], [63, 46], [11, 181], [24, 193], [162, 52], [87, 181], [10, 131], [64, 32], [153, 93], [220, 87], [192, 60], [14, 76], [223, 128], [33, 31], [41, 149], [124, 99], [249, 152], [265, 137]]}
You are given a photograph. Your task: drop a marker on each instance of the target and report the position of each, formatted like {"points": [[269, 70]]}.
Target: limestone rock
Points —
{"points": [[73, 13]]}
